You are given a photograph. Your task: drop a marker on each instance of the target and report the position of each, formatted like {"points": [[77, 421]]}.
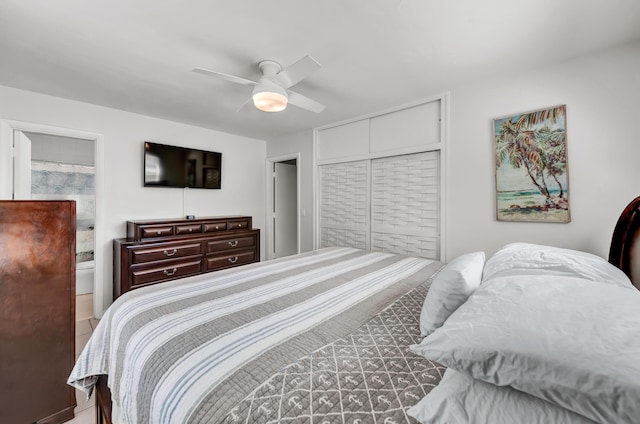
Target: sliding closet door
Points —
{"points": [[344, 204], [405, 210], [389, 204]]}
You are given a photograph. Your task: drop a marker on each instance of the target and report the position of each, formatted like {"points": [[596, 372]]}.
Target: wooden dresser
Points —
{"points": [[37, 310], [162, 250]]}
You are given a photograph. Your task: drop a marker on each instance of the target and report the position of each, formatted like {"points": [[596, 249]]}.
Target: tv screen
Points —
{"points": [[173, 166]]}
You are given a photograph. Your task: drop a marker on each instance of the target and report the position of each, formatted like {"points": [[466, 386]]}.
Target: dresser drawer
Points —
{"points": [[189, 229], [212, 227], [168, 271], [231, 243], [151, 231], [238, 224], [232, 259], [158, 252]]}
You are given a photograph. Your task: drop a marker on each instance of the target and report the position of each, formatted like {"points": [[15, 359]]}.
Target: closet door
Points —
{"points": [[379, 181], [405, 204], [344, 204]]}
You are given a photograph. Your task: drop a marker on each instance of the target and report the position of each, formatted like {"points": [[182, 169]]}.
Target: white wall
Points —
{"points": [[300, 142], [602, 94], [243, 162]]}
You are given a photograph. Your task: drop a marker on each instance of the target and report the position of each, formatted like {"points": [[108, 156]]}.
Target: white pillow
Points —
{"points": [[531, 259], [570, 341], [450, 289], [460, 399]]}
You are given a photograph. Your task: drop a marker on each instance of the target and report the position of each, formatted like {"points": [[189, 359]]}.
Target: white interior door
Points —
{"points": [[22, 166], [285, 209]]}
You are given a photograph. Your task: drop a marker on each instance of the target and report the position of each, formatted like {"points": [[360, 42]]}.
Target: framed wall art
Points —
{"points": [[532, 174]]}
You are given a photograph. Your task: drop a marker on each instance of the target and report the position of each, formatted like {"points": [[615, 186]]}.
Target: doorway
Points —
{"points": [[44, 162], [283, 232], [52, 167]]}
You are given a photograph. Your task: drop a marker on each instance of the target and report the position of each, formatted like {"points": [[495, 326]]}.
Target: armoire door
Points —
{"points": [[37, 310]]}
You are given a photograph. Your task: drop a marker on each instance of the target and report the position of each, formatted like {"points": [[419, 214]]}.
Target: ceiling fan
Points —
{"points": [[271, 92]]}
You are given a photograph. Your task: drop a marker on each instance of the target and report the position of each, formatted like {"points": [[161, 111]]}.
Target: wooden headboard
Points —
{"points": [[625, 244]]}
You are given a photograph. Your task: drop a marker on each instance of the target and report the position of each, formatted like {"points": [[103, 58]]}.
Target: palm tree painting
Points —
{"points": [[532, 182]]}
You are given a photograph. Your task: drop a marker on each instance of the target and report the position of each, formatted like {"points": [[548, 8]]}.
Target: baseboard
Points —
{"points": [[59, 417]]}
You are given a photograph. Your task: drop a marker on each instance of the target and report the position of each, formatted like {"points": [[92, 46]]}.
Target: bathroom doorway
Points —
{"points": [[62, 168]]}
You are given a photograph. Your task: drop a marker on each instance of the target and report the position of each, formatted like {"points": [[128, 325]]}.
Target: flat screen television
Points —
{"points": [[173, 166]]}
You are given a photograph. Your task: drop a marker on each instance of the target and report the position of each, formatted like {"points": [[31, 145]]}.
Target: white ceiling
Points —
{"points": [[137, 55]]}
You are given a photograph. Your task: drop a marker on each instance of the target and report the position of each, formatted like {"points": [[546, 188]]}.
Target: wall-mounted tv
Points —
{"points": [[173, 166]]}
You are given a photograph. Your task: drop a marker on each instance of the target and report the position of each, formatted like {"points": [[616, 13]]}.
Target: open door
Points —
{"points": [[285, 188], [22, 166]]}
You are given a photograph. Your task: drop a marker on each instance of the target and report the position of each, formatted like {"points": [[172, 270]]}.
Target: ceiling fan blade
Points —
{"points": [[304, 102], [245, 106], [231, 78], [296, 72]]}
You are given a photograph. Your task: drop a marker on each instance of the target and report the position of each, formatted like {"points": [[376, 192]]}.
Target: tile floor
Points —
{"points": [[85, 324]]}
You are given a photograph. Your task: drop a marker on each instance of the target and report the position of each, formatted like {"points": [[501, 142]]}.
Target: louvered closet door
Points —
{"points": [[344, 204], [405, 204]]}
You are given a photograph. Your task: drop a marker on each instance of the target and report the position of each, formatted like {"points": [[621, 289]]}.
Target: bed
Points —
{"points": [[534, 334], [314, 330]]}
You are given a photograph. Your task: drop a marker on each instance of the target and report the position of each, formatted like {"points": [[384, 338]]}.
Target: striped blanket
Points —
{"points": [[191, 350]]}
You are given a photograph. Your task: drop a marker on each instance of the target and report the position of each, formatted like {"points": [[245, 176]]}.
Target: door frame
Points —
{"points": [[270, 230], [7, 128]]}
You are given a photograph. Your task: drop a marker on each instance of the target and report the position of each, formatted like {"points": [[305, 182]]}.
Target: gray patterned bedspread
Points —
{"points": [[194, 350], [368, 376]]}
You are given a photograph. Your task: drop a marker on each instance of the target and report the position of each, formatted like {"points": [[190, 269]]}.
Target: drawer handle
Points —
{"points": [[190, 229], [159, 232], [170, 273], [233, 260], [233, 243], [166, 252]]}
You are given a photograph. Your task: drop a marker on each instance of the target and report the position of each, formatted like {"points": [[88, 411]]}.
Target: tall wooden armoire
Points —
{"points": [[37, 310]]}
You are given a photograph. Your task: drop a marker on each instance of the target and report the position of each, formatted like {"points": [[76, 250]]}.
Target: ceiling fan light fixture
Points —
{"points": [[270, 98]]}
